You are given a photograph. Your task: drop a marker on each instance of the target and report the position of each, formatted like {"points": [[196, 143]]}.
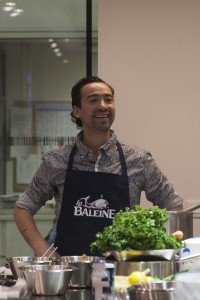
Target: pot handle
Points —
{"points": [[193, 207]]}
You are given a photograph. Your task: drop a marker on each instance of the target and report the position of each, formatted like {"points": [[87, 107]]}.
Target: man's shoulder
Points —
{"points": [[134, 149], [58, 154]]}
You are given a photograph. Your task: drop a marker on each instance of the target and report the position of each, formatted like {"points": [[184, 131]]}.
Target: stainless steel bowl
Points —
{"points": [[48, 280], [19, 261], [81, 277], [79, 294], [156, 290], [140, 255], [159, 269]]}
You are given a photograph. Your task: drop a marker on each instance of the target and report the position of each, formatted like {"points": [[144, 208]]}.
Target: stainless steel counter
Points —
{"points": [[71, 294]]}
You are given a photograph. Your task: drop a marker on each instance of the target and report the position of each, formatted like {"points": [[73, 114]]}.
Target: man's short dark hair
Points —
{"points": [[76, 94]]}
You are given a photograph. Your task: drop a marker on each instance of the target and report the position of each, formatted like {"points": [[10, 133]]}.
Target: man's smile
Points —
{"points": [[102, 116]]}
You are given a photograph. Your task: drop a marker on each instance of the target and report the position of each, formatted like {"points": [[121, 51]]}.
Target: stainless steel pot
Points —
{"points": [[181, 220], [81, 277], [159, 269], [79, 294], [157, 291]]}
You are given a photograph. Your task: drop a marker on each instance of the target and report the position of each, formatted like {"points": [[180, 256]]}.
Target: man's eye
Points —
{"points": [[93, 100], [109, 99]]}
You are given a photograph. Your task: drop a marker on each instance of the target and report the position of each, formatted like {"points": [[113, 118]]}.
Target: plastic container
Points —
{"points": [[192, 247], [100, 280]]}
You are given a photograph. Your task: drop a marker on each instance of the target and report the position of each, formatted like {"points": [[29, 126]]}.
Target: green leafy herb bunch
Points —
{"points": [[142, 229]]}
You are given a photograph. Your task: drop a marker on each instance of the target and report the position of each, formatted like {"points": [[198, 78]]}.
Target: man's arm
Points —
{"points": [[27, 226]]}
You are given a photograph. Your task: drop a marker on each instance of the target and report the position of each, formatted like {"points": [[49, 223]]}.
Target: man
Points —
{"points": [[92, 179]]}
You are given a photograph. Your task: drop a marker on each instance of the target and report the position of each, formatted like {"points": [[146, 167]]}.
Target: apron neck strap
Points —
{"points": [[122, 159]]}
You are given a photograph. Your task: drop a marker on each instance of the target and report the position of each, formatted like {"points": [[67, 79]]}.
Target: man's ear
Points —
{"points": [[76, 111]]}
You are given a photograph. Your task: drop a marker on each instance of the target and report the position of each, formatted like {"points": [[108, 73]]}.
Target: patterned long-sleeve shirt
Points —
{"points": [[143, 175]]}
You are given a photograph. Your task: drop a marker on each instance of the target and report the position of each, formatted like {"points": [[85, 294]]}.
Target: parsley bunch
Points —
{"points": [[142, 229]]}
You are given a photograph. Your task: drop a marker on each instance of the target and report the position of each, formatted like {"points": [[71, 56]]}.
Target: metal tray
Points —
{"points": [[138, 255]]}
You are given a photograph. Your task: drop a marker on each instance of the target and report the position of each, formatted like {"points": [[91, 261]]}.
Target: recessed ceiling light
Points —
{"points": [[7, 8], [14, 14], [56, 50], [10, 4], [53, 45], [18, 10]]}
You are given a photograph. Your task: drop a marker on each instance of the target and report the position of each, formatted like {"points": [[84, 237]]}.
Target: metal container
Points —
{"points": [[59, 297], [81, 277], [142, 255], [19, 261], [181, 220], [50, 280], [79, 294], [159, 269], [155, 290], [189, 263]]}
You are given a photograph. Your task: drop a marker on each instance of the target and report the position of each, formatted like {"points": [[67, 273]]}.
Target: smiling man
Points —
{"points": [[96, 112], [92, 179]]}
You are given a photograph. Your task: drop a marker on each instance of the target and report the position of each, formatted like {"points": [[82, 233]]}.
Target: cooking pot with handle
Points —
{"points": [[181, 220]]}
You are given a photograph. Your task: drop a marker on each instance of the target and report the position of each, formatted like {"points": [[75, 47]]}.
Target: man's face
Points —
{"points": [[97, 111]]}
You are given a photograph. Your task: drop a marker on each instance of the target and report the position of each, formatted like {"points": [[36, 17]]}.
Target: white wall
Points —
{"points": [[150, 52]]}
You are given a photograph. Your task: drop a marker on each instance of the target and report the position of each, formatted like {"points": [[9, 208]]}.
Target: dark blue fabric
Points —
{"points": [[90, 200]]}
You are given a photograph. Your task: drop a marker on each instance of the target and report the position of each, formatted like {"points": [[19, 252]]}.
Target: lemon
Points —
{"points": [[137, 277]]}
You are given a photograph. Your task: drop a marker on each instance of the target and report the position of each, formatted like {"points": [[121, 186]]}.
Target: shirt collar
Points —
{"points": [[108, 147]]}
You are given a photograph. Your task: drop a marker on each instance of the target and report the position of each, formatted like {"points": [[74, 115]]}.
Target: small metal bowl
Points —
{"points": [[81, 277], [47, 280], [160, 290], [19, 261]]}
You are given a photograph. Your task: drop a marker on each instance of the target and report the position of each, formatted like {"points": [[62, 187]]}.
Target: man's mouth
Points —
{"points": [[101, 116]]}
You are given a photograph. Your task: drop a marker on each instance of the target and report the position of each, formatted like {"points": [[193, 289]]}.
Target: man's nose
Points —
{"points": [[102, 103]]}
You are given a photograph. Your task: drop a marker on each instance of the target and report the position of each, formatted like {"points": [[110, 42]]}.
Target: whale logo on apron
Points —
{"points": [[99, 203]]}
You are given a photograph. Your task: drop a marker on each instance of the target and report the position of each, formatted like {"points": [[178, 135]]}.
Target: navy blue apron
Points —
{"points": [[90, 201]]}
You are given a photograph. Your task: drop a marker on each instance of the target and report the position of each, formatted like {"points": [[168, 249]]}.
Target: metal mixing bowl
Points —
{"points": [[48, 280], [155, 290], [81, 277], [19, 261]]}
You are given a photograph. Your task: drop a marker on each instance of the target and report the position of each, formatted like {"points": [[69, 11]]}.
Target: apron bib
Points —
{"points": [[90, 201]]}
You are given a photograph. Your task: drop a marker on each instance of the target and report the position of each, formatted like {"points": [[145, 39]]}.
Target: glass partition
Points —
{"points": [[42, 54]]}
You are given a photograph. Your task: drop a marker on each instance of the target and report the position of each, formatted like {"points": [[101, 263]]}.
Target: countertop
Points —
{"points": [[71, 294]]}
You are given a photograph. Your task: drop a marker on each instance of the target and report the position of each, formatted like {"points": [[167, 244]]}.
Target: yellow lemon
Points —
{"points": [[137, 277]]}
